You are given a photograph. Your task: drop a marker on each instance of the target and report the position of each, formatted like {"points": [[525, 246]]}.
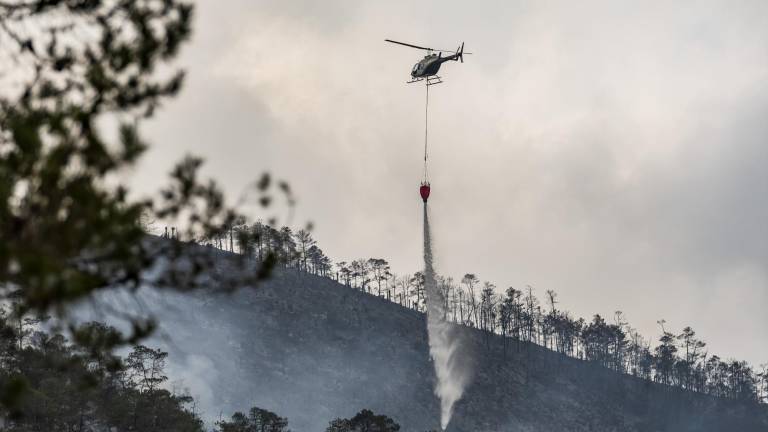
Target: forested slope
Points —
{"points": [[311, 350]]}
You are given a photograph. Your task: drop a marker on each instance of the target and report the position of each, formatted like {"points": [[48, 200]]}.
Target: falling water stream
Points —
{"points": [[453, 373]]}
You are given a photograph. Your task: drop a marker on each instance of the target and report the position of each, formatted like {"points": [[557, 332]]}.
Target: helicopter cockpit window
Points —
{"points": [[415, 67]]}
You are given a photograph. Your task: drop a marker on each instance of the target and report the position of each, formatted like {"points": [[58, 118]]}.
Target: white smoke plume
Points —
{"points": [[453, 372]]}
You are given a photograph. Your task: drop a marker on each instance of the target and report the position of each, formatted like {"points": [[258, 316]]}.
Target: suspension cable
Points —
{"points": [[426, 130]]}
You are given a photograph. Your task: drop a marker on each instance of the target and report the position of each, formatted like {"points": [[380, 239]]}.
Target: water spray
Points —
{"points": [[445, 346]]}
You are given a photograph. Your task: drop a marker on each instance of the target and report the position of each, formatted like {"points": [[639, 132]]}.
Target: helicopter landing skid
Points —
{"points": [[431, 80]]}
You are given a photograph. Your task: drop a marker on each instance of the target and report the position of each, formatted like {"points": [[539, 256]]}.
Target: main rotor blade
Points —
{"points": [[408, 45], [448, 51]]}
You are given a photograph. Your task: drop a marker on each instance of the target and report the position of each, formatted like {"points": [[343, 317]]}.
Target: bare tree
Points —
{"points": [[470, 280]]}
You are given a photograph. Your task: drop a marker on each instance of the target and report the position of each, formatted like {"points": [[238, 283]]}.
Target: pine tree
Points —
{"points": [[364, 421], [381, 271]]}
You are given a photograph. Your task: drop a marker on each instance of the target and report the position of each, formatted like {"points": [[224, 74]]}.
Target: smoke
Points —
{"points": [[453, 374]]}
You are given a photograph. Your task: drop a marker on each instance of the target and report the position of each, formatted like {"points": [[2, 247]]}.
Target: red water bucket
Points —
{"points": [[424, 191]]}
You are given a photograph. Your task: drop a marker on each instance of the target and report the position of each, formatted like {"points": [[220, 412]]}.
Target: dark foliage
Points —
{"points": [[62, 387], [257, 420], [364, 421]]}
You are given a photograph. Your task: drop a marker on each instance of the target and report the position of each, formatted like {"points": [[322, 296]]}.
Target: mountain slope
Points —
{"points": [[312, 350]]}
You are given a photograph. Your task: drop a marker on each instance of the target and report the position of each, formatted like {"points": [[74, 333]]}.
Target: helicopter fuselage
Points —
{"points": [[430, 65]]}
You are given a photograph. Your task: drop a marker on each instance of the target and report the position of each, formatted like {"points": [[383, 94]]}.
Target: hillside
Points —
{"points": [[311, 349]]}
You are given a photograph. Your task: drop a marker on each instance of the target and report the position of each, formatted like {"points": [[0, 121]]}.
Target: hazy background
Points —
{"points": [[611, 151]]}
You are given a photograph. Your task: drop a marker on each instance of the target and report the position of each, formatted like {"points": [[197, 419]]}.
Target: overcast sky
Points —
{"points": [[614, 152]]}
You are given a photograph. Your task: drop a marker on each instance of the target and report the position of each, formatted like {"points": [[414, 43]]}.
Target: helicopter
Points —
{"points": [[427, 68]]}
